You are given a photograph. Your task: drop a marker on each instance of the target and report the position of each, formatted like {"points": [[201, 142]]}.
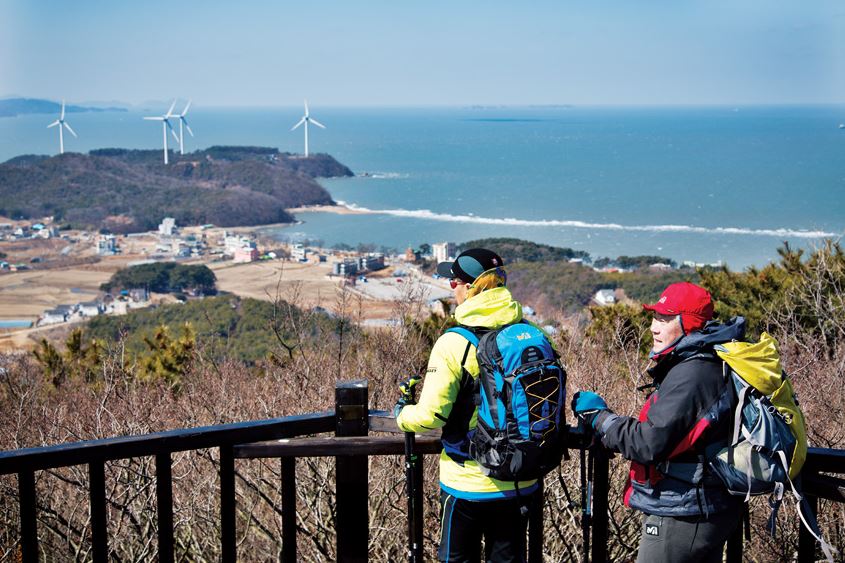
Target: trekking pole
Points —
{"points": [[585, 507], [413, 489]]}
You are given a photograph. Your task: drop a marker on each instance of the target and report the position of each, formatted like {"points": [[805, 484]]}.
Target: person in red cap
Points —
{"points": [[688, 513]]}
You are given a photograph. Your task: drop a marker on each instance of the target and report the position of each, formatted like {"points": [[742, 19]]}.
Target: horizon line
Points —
{"points": [[455, 105]]}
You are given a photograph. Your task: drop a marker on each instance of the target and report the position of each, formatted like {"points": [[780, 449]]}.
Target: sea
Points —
{"points": [[707, 185]]}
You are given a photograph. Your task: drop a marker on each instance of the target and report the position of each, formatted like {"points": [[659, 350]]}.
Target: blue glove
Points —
{"points": [[406, 388], [587, 405]]}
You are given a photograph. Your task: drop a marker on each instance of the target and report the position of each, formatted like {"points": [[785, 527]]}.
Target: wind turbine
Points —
{"points": [[184, 122], [165, 125], [306, 119], [62, 124]]}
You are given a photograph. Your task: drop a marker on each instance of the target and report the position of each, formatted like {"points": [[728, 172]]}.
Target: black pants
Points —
{"points": [[686, 540], [464, 522]]}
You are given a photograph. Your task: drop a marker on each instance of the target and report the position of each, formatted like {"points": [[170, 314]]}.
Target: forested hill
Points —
{"points": [[132, 190]]}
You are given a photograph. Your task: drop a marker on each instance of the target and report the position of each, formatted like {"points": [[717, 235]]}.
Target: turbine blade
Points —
{"points": [[300, 122], [315, 122], [172, 132], [157, 118], [53, 124], [69, 129], [170, 111], [63, 110], [188, 127], [306, 107], [185, 111]]}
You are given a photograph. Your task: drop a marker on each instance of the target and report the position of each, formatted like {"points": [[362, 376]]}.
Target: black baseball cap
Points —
{"points": [[470, 264]]}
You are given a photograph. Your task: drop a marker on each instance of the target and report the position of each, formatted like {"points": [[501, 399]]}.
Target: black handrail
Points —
{"points": [[351, 421], [122, 447]]}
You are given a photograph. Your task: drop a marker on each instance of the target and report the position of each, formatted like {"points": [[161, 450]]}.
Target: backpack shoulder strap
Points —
{"points": [[472, 340], [466, 333]]}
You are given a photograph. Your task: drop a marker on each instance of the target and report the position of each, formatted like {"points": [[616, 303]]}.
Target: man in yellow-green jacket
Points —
{"points": [[473, 505]]}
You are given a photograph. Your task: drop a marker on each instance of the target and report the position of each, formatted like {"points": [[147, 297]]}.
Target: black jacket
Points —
{"points": [[684, 421]]}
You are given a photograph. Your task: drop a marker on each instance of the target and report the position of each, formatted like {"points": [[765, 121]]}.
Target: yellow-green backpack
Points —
{"points": [[768, 445]]}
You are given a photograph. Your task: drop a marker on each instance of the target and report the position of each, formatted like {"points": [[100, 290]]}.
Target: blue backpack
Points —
{"points": [[521, 396]]}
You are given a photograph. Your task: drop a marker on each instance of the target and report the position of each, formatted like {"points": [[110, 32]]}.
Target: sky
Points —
{"points": [[433, 53]]}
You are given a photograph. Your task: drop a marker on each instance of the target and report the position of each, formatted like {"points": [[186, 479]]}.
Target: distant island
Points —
{"points": [[127, 191], [11, 107]]}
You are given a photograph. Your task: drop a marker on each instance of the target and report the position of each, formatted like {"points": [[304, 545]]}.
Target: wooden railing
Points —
{"points": [[351, 445]]}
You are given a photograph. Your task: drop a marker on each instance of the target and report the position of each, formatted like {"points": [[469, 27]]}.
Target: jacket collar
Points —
{"points": [[489, 309]]}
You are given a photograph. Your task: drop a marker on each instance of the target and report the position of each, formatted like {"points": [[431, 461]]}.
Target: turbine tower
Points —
{"points": [[62, 124], [184, 123], [165, 125], [306, 119]]}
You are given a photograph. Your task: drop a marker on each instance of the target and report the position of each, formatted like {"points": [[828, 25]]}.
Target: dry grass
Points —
{"points": [[33, 414]]}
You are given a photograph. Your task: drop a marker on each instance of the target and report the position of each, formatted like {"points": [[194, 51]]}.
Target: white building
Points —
{"points": [[298, 253], [106, 245], [89, 309], [55, 316], [443, 251], [231, 243], [167, 227], [52, 317], [660, 267], [605, 297]]}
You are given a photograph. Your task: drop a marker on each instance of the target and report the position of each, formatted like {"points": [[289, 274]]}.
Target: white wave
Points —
{"points": [[513, 222], [384, 175]]}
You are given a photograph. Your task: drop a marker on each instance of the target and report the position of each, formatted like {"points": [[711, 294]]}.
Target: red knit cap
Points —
{"points": [[690, 301]]}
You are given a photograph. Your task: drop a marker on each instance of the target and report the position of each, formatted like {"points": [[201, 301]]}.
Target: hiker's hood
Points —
{"points": [[489, 309], [713, 333]]}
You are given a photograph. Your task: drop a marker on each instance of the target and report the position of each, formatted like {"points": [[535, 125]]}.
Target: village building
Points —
{"points": [[52, 317], [412, 255], [59, 314], [372, 262], [345, 268], [90, 308], [245, 254], [605, 297], [298, 253], [233, 242], [443, 251], [106, 245], [45, 233], [139, 294], [167, 227]]}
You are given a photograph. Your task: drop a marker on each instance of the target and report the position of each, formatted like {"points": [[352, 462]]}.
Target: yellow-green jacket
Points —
{"points": [[460, 477]]}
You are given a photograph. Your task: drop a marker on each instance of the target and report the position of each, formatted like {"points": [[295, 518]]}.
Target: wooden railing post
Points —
{"points": [[601, 489], [99, 526], [29, 526], [352, 525], [164, 502], [289, 510], [228, 547]]}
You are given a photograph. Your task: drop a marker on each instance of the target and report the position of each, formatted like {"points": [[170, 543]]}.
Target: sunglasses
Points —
{"points": [[455, 282]]}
